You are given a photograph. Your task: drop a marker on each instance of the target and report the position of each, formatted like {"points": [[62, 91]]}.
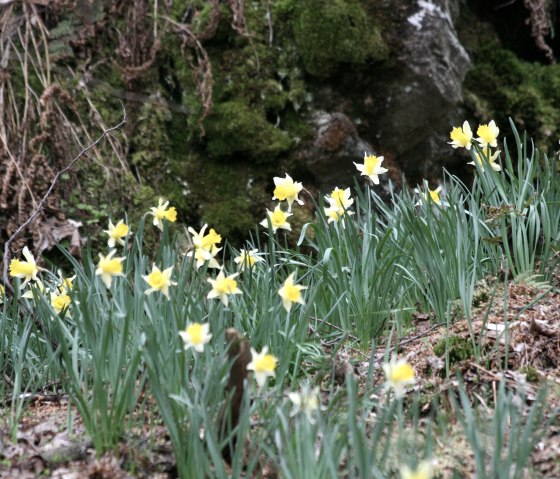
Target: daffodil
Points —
{"points": [[223, 286], [372, 167], [37, 286], [432, 195], [291, 293], [423, 471], [207, 242], [461, 137], [398, 375], [263, 365], [488, 135], [161, 212], [287, 190], [306, 402], [278, 219], [333, 214], [486, 157], [24, 269], [159, 280], [195, 336], [2, 293], [109, 267], [116, 233], [340, 198], [60, 302], [65, 284], [202, 256], [247, 259]]}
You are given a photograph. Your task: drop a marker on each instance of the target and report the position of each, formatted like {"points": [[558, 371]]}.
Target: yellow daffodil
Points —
{"points": [[207, 242], [263, 365], [488, 135], [432, 195], [278, 219], [2, 293], [247, 259], [487, 157], [461, 137], [202, 256], [195, 336], [223, 286], [159, 280], [65, 284], [340, 198], [24, 269], [34, 288], [291, 293], [161, 212], [372, 167], [60, 302], [109, 267], [398, 375], [423, 471], [306, 402], [287, 190], [116, 233]]}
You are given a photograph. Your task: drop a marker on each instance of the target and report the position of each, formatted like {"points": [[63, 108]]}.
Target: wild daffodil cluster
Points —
{"points": [[462, 137]]}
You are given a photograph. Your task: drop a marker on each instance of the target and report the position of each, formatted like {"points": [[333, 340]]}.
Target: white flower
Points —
{"points": [[263, 365], [372, 167], [306, 402], [196, 335]]}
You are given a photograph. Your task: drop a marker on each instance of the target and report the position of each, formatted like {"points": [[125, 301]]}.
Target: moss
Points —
{"points": [[329, 33], [235, 128], [531, 373], [508, 86], [457, 347]]}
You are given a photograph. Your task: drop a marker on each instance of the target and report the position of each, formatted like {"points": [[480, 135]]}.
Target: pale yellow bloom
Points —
{"points": [[398, 374], [109, 267], [159, 280], [263, 365], [306, 402], [60, 302], [287, 190], [278, 219], [291, 293], [206, 242], [202, 256], [487, 157], [116, 233], [340, 198], [462, 137], [223, 287], [423, 471], [488, 135], [195, 336], [247, 259], [24, 269], [372, 167], [2, 293], [433, 195], [161, 212], [66, 284]]}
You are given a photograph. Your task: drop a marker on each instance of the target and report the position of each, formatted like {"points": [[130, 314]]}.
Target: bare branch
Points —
{"points": [[47, 194]]}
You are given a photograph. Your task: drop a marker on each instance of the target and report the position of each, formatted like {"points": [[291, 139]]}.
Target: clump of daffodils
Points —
{"points": [[263, 365], [339, 202], [372, 167], [205, 247], [291, 293], [195, 336], [162, 212], [159, 280], [398, 375], [26, 270]]}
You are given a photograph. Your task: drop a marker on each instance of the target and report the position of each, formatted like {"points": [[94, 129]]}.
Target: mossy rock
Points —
{"points": [[329, 33], [236, 128]]}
